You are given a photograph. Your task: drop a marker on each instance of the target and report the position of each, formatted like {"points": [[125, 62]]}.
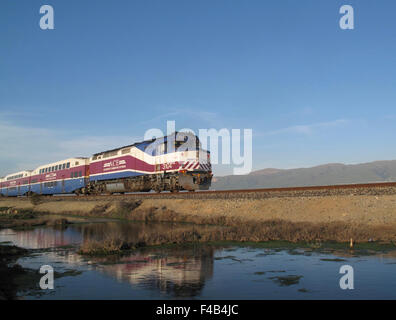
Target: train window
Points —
{"points": [[71, 175], [80, 174], [110, 154], [34, 181], [56, 168], [53, 169], [77, 163], [75, 174], [25, 182], [68, 165], [50, 184], [64, 166]]}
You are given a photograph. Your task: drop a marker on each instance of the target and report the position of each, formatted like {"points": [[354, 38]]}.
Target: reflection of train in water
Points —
{"points": [[176, 271], [180, 273], [159, 164]]}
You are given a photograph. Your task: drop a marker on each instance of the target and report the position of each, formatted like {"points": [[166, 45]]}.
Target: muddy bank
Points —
{"points": [[370, 210], [340, 218], [14, 278], [26, 218], [274, 230]]}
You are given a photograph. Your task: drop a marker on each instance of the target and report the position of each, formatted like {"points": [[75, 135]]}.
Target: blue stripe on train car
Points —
{"points": [[23, 190], [35, 188], [117, 175], [57, 187], [12, 192], [17, 191], [5, 191], [74, 184]]}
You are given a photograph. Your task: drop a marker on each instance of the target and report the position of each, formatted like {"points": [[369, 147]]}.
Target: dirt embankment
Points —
{"points": [[305, 218]]}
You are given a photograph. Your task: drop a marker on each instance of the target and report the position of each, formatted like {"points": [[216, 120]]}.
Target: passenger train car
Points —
{"points": [[157, 164], [16, 184], [65, 176]]}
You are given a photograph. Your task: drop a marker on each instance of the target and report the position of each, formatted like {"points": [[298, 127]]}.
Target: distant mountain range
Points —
{"points": [[327, 174]]}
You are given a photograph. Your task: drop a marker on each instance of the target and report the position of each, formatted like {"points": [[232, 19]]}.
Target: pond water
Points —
{"points": [[198, 271]]}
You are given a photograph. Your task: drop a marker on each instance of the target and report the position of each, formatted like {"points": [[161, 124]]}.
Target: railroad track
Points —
{"points": [[379, 188]]}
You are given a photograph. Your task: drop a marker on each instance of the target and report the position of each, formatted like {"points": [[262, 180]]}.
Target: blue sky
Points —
{"points": [[311, 92]]}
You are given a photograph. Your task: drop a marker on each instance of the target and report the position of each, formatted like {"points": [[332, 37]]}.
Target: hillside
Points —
{"points": [[328, 174]]}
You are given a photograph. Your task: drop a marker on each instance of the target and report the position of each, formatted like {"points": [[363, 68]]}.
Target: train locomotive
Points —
{"points": [[161, 164]]}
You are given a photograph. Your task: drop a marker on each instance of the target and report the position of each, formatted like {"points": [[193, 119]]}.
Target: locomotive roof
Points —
{"points": [[138, 143], [128, 146]]}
